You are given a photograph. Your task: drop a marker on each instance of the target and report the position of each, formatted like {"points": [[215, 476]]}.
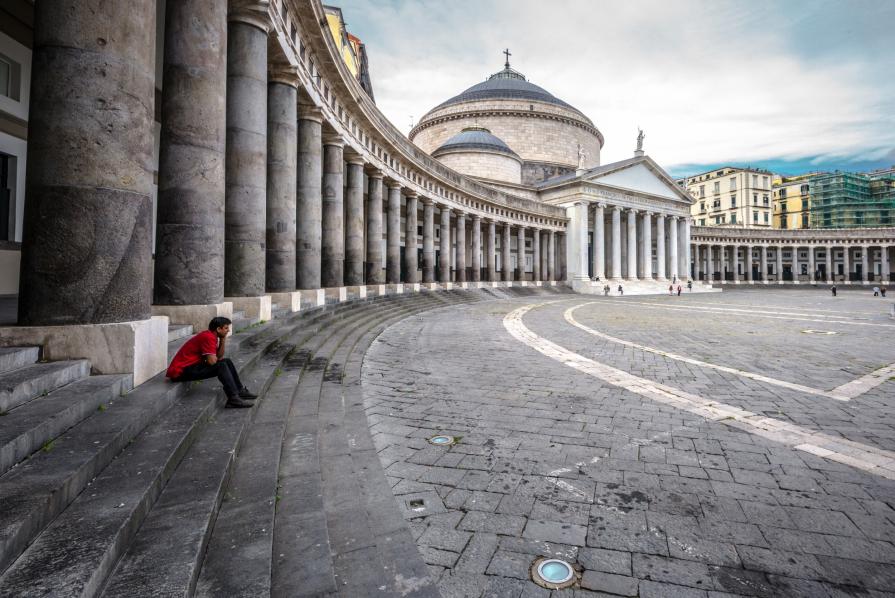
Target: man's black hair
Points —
{"points": [[218, 322]]}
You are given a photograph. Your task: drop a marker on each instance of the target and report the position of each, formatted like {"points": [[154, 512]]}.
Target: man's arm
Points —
{"points": [[213, 359]]}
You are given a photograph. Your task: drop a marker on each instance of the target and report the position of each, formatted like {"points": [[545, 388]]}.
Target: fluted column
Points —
{"points": [[333, 237], [536, 254], [828, 254], [660, 246], [309, 224], [428, 241], [506, 268], [763, 275], [393, 235], [374, 229], [476, 248], [646, 246], [246, 187], [616, 242], [520, 253], [673, 247], [86, 247], [632, 244], [490, 251], [444, 257], [551, 255], [599, 241], [282, 147], [410, 239], [460, 236], [354, 223]]}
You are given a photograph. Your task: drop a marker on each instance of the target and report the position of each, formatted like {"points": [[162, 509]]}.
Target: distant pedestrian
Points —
{"points": [[876, 291], [606, 290], [689, 285], [833, 290], [678, 290], [621, 291], [883, 291], [671, 289]]}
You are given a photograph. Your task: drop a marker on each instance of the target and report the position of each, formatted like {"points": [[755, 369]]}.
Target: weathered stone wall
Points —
{"points": [[488, 165], [535, 172], [539, 135]]}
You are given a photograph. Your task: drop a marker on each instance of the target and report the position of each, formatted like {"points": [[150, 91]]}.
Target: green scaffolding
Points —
{"points": [[852, 200]]}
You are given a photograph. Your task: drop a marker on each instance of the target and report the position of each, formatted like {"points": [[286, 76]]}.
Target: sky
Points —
{"points": [[791, 85]]}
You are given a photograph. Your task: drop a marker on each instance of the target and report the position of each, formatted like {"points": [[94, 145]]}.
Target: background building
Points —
{"points": [[351, 48], [730, 196], [852, 200], [792, 205]]}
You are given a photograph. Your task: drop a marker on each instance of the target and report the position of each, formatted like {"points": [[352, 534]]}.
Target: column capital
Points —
{"points": [[250, 12], [443, 208], [310, 112], [392, 184], [426, 201], [633, 211], [477, 218], [356, 160], [600, 204], [617, 208], [375, 174], [411, 194], [460, 213], [284, 73], [333, 139]]}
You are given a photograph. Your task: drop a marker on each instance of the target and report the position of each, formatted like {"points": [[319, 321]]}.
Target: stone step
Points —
{"points": [[35, 424], [13, 358], [179, 331], [29, 382]]}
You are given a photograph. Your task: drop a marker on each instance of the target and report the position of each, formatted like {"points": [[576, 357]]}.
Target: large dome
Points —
{"points": [[475, 151], [548, 135], [474, 138]]}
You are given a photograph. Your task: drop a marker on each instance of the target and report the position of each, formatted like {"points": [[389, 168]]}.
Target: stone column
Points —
{"points": [[428, 241], [828, 254], [673, 246], [87, 243], [551, 255], [354, 223], [536, 254], [246, 188], [544, 243], [748, 266], [444, 257], [616, 272], [374, 230], [632, 245], [763, 276], [562, 244], [646, 246], [506, 268], [660, 247], [490, 251], [599, 241], [393, 235], [461, 247], [885, 263], [410, 239], [476, 248], [865, 275], [282, 147], [710, 263], [309, 223], [333, 239], [683, 240], [846, 262], [520, 253], [735, 257], [779, 258], [811, 266], [189, 250]]}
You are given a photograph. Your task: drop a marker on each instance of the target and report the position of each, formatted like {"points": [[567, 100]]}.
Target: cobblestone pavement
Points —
{"points": [[645, 498]]}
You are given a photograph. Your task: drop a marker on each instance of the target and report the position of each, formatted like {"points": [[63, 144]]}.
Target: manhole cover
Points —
{"points": [[809, 331], [553, 574], [442, 440]]}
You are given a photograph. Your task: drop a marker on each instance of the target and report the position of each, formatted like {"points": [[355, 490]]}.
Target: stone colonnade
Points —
{"points": [[636, 244], [793, 261]]}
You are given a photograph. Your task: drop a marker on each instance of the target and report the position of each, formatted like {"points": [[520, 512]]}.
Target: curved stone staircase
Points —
{"points": [[160, 491]]}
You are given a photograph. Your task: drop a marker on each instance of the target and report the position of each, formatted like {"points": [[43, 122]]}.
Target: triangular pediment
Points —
{"points": [[641, 178]]}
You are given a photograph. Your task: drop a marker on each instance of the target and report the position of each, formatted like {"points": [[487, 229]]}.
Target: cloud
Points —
{"points": [[709, 82]]}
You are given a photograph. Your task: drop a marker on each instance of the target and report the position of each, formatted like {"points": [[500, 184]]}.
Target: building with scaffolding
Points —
{"points": [[852, 200]]}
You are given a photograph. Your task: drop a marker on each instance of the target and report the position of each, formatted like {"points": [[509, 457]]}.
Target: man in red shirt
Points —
{"points": [[202, 357]]}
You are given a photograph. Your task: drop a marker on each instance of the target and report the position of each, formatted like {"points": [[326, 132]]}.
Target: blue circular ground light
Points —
{"points": [[555, 571], [441, 440]]}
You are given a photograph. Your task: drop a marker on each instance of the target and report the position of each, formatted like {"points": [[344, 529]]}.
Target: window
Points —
{"points": [[733, 183], [766, 215], [754, 216], [733, 201], [702, 191], [755, 180], [717, 187], [755, 198], [765, 181], [782, 193], [766, 199], [702, 222], [10, 78], [804, 220], [733, 218], [702, 206]]}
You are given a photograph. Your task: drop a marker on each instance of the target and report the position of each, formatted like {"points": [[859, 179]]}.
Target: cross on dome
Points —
{"points": [[507, 53]]}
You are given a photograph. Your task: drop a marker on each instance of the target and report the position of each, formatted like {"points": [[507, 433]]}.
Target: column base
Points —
{"points": [[395, 288], [411, 287], [447, 286], [313, 297], [335, 294], [357, 292], [197, 316], [537, 283], [253, 307], [376, 290], [290, 300], [430, 286], [139, 347]]}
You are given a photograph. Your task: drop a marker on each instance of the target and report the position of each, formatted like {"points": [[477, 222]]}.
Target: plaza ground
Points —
{"points": [[720, 445]]}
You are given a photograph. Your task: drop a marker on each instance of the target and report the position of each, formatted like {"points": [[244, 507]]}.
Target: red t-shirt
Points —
{"points": [[193, 352]]}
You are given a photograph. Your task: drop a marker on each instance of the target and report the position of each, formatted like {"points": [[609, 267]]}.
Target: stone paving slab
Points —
{"points": [[647, 499]]}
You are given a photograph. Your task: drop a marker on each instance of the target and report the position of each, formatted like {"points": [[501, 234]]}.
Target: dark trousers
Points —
{"points": [[223, 370]]}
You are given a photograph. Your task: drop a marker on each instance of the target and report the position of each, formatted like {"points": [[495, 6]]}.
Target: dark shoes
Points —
{"points": [[238, 402], [247, 395]]}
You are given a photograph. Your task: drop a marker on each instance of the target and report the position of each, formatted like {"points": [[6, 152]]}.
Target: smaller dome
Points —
{"points": [[475, 138]]}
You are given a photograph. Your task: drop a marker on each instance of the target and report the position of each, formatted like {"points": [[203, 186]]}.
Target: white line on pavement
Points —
{"points": [[790, 385], [805, 310], [861, 456]]}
